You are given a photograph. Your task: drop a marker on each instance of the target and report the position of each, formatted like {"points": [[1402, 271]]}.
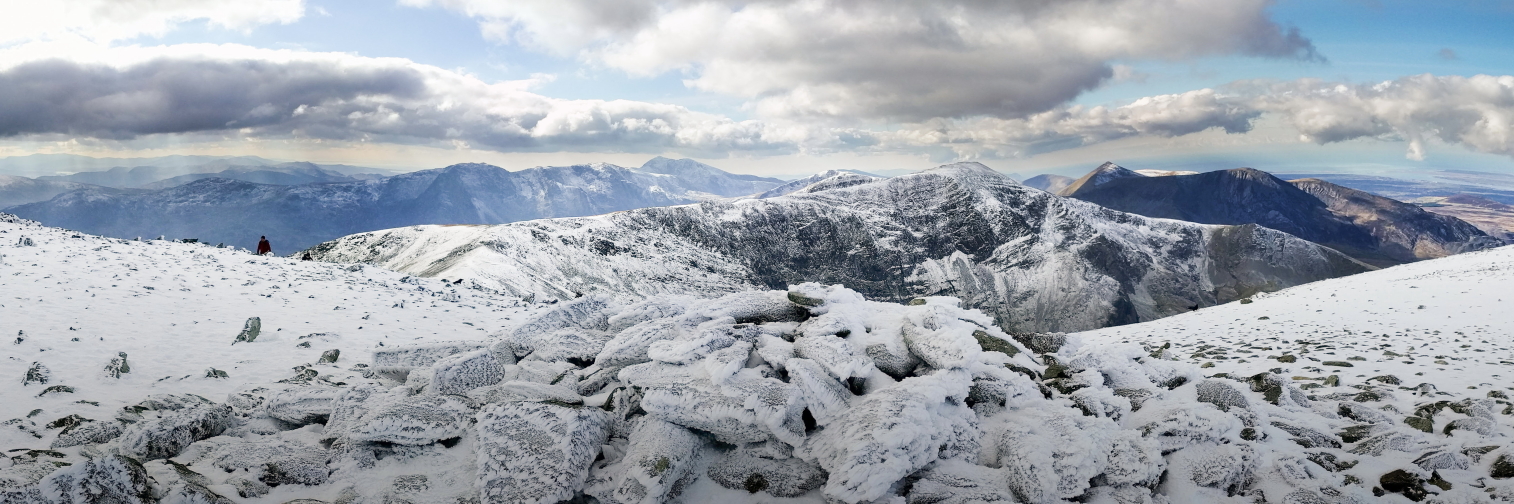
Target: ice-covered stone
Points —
{"points": [[302, 405], [834, 354], [891, 433], [112, 479], [573, 345], [697, 404], [657, 466], [415, 420], [958, 482], [166, 436], [92, 432], [422, 355], [36, 373], [513, 391], [756, 307], [758, 470], [941, 343], [1050, 454], [117, 366], [250, 331], [536, 453], [1223, 394], [463, 372]]}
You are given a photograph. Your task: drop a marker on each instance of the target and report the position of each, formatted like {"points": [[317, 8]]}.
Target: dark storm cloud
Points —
{"points": [[181, 96], [341, 98]]}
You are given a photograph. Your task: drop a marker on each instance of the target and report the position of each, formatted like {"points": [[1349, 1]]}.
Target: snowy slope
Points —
{"points": [[71, 302], [810, 395], [1448, 318], [1034, 261], [832, 178]]}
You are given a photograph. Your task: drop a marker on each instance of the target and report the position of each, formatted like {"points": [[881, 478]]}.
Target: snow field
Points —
{"points": [[811, 395]]}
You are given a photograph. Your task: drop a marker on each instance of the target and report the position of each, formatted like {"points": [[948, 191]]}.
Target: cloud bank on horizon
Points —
{"points": [[966, 80]]}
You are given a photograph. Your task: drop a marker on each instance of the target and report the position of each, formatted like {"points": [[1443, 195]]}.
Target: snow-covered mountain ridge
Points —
{"points": [[1034, 261], [298, 216], [810, 394]]}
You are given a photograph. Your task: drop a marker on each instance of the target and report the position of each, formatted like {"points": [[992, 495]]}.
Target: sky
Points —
{"points": [[773, 87]]}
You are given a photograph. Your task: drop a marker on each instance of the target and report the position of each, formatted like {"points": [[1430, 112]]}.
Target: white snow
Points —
{"points": [[811, 395]]}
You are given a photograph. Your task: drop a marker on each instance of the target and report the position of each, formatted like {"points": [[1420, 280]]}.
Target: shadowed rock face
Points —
{"points": [[298, 216], [1370, 228], [1034, 261], [1402, 231]]}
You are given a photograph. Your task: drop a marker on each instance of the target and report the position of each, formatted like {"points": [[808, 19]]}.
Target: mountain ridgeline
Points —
{"points": [[1370, 228], [1034, 261], [299, 216]]}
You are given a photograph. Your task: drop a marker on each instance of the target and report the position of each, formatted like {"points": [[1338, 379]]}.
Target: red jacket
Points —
{"points": [[264, 247]]}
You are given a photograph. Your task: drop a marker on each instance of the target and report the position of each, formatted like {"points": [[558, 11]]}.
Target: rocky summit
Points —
{"points": [[1032, 260]]}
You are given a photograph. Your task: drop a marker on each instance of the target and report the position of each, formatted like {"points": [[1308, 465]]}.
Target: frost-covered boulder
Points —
{"points": [[657, 466], [113, 479], [396, 362], [753, 307], [1223, 394], [463, 372], [536, 453], [415, 420], [91, 432], [891, 433], [250, 331], [959, 482], [1050, 454], [941, 342], [1223, 468], [577, 346], [302, 405], [834, 354], [514, 391], [589, 314], [166, 436], [766, 469]]}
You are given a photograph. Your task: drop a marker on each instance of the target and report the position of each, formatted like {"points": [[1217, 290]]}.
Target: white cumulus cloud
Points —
{"points": [[907, 60], [111, 20]]}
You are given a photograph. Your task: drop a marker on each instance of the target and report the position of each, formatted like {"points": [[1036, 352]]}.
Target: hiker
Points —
{"points": [[307, 257], [263, 246]]}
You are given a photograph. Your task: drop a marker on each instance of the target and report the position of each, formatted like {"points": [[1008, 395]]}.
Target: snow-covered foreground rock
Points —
{"points": [[811, 394]]}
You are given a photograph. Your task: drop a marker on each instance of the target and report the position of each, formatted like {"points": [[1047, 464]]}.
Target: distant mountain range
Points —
{"points": [[21, 190], [160, 177], [298, 216], [1034, 261], [1371, 228]]}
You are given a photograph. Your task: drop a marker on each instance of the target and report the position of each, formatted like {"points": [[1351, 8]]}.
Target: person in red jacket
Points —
{"points": [[263, 246]]}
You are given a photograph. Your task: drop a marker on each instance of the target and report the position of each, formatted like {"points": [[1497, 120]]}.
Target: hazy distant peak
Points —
{"points": [[1165, 173], [1099, 176], [1049, 182]]}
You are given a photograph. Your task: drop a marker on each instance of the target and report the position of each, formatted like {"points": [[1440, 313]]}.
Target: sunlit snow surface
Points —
{"points": [[810, 395], [1451, 319]]}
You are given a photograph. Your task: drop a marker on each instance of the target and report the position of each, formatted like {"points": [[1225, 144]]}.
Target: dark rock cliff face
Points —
{"points": [[1034, 261], [1370, 228], [1402, 231], [299, 216]]}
